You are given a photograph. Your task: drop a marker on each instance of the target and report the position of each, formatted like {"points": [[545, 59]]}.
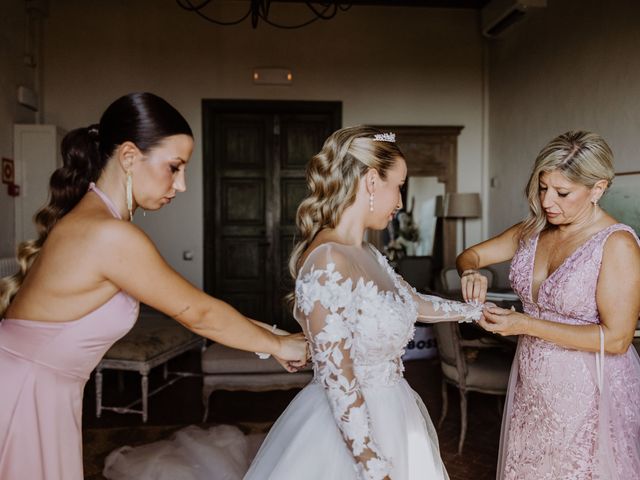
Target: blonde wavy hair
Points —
{"points": [[332, 177], [582, 157]]}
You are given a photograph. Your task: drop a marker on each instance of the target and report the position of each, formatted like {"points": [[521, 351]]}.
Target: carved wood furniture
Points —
{"points": [[154, 340]]}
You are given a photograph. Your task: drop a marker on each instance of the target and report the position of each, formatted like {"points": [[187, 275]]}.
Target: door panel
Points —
{"points": [[240, 179], [243, 140], [243, 201], [255, 155], [303, 137], [293, 191]]}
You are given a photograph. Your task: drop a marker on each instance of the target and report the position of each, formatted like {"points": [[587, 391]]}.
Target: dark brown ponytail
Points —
{"points": [[142, 118]]}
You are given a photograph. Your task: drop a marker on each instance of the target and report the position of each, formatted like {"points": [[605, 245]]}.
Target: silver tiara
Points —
{"points": [[385, 137]]}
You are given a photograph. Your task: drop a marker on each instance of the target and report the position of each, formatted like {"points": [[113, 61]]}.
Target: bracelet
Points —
{"points": [[264, 356], [470, 271]]}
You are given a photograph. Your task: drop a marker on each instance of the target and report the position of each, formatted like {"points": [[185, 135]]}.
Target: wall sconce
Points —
{"points": [[272, 76]]}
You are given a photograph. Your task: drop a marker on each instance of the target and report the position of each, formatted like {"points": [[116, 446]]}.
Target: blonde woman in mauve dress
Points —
{"points": [[573, 405]]}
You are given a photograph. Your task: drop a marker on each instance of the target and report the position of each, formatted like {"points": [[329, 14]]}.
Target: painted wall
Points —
{"points": [[13, 72], [405, 66], [572, 65]]}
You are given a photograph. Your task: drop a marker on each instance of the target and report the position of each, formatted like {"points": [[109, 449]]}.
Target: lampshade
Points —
{"points": [[460, 205]]}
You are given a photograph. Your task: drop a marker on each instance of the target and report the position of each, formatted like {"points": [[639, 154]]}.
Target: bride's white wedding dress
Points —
{"points": [[358, 418]]}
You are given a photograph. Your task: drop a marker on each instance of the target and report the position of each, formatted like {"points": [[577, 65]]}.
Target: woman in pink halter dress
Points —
{"points": [[45, 366], [573, 404], [79, 284]]}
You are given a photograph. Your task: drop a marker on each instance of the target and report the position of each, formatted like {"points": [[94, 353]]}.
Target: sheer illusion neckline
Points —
{"points": [[562, 265], [367, 249], [362, 247]]}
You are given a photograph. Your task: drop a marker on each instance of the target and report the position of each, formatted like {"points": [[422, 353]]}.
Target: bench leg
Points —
{"points": [[98, 393], [145, 397]]}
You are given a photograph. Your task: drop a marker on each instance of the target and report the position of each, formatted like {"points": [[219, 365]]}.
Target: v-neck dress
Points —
{"points": [[43, 370], [560, 422]]}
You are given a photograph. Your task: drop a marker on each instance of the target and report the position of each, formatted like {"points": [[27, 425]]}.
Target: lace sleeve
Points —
{"points": [[324, 301], [431, 308]]}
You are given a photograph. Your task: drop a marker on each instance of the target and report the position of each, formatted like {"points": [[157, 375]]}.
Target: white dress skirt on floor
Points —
{"points": [[219, 453]]}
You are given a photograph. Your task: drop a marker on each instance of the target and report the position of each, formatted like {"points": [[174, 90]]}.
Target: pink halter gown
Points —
{"points": [[560, 421], [43, 370]]}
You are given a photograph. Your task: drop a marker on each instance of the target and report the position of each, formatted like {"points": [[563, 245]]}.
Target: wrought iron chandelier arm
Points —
{"points": [[259, 9], [196, 8], [321, 14]]}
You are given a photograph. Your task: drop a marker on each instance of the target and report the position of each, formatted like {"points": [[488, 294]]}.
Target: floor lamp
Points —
{"points": [[459, 205]]}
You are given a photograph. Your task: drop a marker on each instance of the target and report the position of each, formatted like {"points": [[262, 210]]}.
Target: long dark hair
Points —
{"points": [[142, 118]]}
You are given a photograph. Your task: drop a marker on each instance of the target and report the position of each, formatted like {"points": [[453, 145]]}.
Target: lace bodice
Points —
{"points": [[568, 295], [358, 315]]}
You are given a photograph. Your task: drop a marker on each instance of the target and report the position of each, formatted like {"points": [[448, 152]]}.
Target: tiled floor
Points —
{"points": [[180, 405]]}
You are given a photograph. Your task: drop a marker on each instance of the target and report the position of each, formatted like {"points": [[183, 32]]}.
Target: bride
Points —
{"points": [[358, 418]]}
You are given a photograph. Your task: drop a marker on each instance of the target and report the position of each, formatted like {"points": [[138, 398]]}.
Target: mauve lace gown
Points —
{"points": [[561, 421], [43, 370]]}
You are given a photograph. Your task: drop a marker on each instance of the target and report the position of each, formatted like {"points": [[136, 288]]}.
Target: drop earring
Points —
{"points": [[371, 196], [130, 194]]}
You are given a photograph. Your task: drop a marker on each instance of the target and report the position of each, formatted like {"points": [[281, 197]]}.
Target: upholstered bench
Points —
{"points": [[154, 340], [225, 368]]}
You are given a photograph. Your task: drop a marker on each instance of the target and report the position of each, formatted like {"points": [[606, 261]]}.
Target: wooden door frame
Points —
{"points": [[213, 107]]}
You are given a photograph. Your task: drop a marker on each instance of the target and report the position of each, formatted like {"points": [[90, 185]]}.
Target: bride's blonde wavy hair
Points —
{"points": [[332, 177], [582, 157]]}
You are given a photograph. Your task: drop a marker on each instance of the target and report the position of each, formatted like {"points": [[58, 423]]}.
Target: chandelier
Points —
{"points": [[259, 10]]}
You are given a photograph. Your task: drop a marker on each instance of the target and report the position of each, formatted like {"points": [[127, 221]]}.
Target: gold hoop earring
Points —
{"points": [[130, 194]]}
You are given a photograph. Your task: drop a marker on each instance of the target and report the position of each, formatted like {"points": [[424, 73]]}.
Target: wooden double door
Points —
{"points": [[255, 154]]}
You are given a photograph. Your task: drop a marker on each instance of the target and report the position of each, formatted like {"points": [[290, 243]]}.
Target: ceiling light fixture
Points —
{"points": [[259, 10]]}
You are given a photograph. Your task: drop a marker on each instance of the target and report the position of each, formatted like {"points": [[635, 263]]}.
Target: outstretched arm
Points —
{"points": [[132, 263], [433, 309]]}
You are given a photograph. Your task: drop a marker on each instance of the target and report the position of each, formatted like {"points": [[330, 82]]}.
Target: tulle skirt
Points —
{"points": [[305, 442], [219, 453]]}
